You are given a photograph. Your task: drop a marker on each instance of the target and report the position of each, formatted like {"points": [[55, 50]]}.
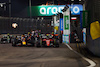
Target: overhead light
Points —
{"points": [[72, 0], [1, 5], [38, 18], [14, 25], [80, 0], [42, 18]]}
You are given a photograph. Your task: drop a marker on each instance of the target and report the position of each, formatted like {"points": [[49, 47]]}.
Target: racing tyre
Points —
{"points": [[38, 45], [32, 42], [14, 43], [56, 45]]}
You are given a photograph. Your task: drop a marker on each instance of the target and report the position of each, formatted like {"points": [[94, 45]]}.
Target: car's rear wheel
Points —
{"points": [[14, 42]]}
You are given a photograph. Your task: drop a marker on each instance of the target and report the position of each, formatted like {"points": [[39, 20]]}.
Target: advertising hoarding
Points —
{"points": [[66, 22], [50, 10], [61, 24], [66, 39], [84, 19], [66, 26]]}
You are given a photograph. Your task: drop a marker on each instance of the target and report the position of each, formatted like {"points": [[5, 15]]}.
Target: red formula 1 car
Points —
{"points": [[47, 40]]}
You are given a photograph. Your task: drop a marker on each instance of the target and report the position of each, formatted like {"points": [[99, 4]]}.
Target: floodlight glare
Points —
{"points": [[1, 5], [14, 25]]}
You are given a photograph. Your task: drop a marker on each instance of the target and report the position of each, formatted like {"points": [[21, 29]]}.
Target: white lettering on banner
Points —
{"points": [[43, 10], [54, 8], [74, 9], [60, 8], [48, 10]]}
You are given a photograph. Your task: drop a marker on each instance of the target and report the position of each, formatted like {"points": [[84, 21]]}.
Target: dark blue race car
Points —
{"points": [[23, 40]]}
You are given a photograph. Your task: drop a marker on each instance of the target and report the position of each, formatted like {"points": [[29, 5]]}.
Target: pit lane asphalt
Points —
{"points": [[39, 57]]}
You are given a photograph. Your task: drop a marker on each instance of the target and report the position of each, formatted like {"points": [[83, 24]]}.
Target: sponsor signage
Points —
{"points": [[81, 19], [66, 39], [61, 24], [84, 37], [66, 26], [66, 22], [73, 18], [53, 9], [84, 19]]}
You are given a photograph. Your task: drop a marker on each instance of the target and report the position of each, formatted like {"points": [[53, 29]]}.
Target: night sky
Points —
{"points": [[34, 2], [19, 7]]}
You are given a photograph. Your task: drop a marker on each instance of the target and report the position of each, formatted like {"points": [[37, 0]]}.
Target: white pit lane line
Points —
{"points": [[92, 64]]}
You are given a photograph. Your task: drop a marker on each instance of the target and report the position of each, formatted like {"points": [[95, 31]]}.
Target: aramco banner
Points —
{"points": [[53, 9]]}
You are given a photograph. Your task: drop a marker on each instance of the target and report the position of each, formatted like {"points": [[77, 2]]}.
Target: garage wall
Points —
{"points": [[93, 6]]}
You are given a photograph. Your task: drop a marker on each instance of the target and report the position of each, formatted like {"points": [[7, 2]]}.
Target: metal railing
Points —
{"points": [[24, 25]]}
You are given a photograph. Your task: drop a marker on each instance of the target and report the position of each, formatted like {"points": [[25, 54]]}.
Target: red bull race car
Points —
{"points": [[23, 40], [47, 41]]}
